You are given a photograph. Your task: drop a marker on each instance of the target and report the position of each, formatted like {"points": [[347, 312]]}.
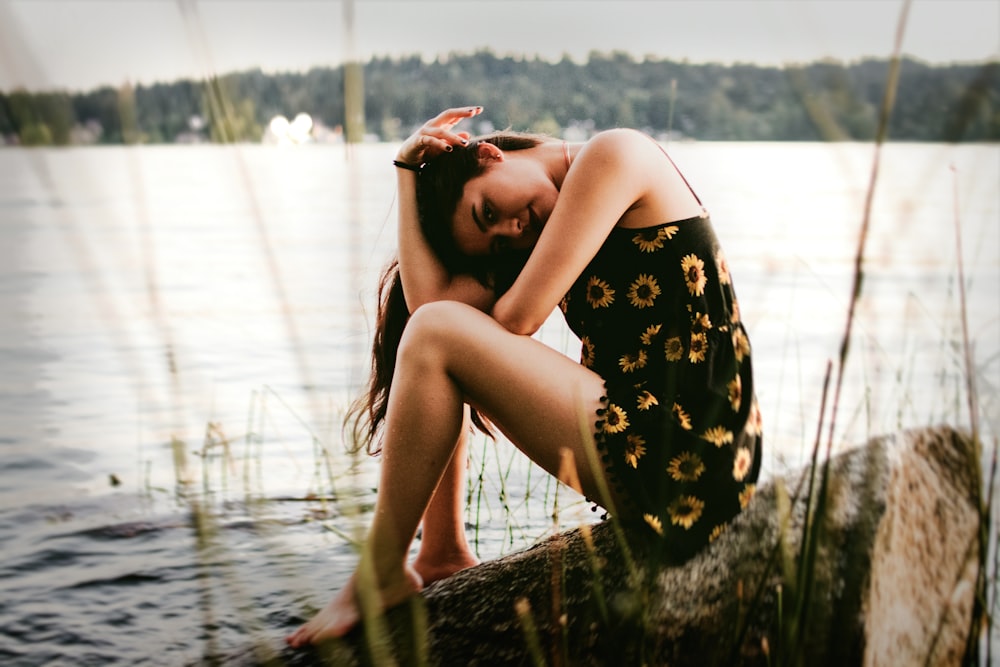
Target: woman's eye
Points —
{"points": [[487, 212]]}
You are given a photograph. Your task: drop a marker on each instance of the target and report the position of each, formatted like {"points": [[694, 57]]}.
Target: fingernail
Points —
{"points": [[465, 142], [449, 148]]}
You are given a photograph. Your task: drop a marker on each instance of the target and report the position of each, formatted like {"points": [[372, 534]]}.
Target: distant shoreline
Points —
{"points": [[821, 101]]}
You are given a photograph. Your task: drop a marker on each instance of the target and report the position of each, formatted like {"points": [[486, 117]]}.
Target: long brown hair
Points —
{"points": [[439, 187]]}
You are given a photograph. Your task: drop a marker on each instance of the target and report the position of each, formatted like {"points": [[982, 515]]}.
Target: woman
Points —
{"points": [[493, 235]]}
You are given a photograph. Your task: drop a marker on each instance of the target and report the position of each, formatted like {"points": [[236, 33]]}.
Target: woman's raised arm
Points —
{"points": [[424, 277]]}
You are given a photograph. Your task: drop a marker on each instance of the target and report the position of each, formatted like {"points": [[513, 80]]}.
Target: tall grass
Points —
{"points": [[795, 601], [791, 642], [496, 501], [493, 498], [505, 494]]}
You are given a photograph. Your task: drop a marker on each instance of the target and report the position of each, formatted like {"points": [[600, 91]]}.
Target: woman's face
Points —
{"points": [[504, 208]]}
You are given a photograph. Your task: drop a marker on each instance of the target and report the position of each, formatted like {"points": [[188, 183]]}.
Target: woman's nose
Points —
{"points": [[511, 226]]}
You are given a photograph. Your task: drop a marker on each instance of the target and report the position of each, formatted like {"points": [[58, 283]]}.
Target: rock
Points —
{"points": [[894, 550]]}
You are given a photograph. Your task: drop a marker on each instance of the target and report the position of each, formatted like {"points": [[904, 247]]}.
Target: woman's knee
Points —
{"points": [[434, 328]]}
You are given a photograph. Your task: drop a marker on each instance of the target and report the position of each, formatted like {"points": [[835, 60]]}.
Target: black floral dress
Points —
{"points": [[680, 430]]}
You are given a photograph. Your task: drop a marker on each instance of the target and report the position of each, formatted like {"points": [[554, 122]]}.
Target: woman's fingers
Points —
{"points": [[441, 125], [451, 117], [434, 145], [435, 136], [422, 146]]}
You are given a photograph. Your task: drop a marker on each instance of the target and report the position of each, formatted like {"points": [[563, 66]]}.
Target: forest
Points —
{"points": [[818, 101]]}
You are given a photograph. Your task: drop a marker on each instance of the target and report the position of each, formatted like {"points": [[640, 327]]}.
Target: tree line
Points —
{"points": [[819, 101]]}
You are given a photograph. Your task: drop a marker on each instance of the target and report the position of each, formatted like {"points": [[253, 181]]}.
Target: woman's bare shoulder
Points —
{"points": [[630, 156], [623, 146]]}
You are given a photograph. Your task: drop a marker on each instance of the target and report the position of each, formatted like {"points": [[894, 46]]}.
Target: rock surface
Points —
{"points": [[894, 550]]}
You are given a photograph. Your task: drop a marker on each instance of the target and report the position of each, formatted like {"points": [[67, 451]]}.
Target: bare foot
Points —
{"points": [[342, 612], [437, 568]]}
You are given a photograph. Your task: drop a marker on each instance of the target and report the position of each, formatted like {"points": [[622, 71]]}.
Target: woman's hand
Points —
{"points": [[435, 136], [424, 277]]}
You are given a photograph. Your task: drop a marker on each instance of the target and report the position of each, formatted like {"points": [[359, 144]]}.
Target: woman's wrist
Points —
{"points": [[403, 164]]}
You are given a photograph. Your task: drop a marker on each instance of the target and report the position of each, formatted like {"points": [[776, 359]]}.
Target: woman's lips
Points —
{"points": [[534, 222]]}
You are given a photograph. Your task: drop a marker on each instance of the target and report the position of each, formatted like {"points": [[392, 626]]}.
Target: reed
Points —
{"points": [[490, 504], [494, 466], [794, 596], [981, 609], [523, 609], [791, 643]]}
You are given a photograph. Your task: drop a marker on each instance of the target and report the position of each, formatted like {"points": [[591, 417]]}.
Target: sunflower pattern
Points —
{"points": [[586, 352], [636, 448], [615, 419], [651, 332], [599, 294], [680, 430], [686, 467], [694, 274], [674, 348], [643, 292], [646, 400]]}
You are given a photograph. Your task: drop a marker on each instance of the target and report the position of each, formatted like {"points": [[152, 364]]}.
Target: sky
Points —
{"points": [[83, 44]]}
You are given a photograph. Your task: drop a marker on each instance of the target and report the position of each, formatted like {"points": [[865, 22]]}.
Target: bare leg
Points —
{"points": [[452, 354], [444, 549]]}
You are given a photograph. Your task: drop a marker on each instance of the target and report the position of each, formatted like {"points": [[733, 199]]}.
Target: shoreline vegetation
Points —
{"points": [[798, 598], [820, 101], [873, 100]]}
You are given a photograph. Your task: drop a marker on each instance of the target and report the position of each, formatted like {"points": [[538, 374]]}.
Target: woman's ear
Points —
{"points": [[487, 151]]}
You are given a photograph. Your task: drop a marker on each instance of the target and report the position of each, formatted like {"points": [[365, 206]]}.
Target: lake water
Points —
{"points": [[183, 328]]}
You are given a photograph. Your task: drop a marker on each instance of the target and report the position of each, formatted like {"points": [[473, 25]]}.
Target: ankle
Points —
{"points": [[384, 575], [442, 564], [453, 552]]}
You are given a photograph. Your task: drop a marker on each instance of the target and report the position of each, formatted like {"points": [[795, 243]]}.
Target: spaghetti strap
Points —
{"points": [[681, 173]]}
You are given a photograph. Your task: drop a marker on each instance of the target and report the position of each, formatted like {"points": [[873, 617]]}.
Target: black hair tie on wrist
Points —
{"points": [[412, 167]]}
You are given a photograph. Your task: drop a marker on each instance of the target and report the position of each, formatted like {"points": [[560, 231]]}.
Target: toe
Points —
{"points": [[299, 637]]}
